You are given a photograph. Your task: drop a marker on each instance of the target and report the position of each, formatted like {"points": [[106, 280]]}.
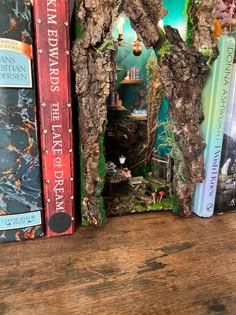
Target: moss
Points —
{"points": [[169, 139], [156, 186], [175, 207], [207, 52], [106, 45], [138, 207], [102, 173], [82, 187], [165, 204], [188, 5], [99, 187], [78, 29], [165, 48], [168, 203]]}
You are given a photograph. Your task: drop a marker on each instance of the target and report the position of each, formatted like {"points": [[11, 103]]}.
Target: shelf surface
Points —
{"points": [[131, 81], [118, 107], [138, 116], [153, 263]]}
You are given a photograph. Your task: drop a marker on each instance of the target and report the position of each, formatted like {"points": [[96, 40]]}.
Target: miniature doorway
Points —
{"points": [[137, 179]]}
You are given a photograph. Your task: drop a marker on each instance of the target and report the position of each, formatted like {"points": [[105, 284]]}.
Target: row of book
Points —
{"points": [[133, 73], [36, 143], [217, 193]]}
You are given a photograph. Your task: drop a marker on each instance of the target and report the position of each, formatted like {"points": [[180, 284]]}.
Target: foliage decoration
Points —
{"points": [[154, 97], [207, 52], [108, 42], [165, 48], [188, 5], [169, 139]]}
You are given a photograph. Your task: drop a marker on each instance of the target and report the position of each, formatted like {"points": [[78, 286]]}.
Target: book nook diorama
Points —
{"points": [[151, 121], [139, 84]]}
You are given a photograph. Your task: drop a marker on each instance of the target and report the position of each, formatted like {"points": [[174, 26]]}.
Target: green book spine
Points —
{"points": [[214, 99]]}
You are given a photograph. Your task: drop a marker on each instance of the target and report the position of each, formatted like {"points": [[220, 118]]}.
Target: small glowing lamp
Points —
{"points": [[122, 159]]}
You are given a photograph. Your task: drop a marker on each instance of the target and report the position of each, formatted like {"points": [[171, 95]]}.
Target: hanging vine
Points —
{"points": [[154, 97]]}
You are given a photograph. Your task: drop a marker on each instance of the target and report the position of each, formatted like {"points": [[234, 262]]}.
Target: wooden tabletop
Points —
{"points": [[154, 263]]}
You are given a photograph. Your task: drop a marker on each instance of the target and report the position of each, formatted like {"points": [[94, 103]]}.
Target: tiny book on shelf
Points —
{"points": [[20, 171], [226, 186], [52, 21], [215, 96]]}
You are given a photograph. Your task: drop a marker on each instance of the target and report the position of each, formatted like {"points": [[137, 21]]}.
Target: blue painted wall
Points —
{"points": [[132, 95]]}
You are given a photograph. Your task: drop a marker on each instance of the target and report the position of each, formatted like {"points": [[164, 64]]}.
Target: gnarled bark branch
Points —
{"points": [[183, 73], [94, 73], [144, 17], [202, 15]]}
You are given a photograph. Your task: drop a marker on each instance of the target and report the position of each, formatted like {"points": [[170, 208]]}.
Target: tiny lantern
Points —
{"points": [[122, 159]]}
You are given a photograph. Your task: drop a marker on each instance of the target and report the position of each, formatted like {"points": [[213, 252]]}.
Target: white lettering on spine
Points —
{"points": [[52, 35]]}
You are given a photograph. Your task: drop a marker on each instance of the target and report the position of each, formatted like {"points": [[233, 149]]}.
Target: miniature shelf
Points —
{"points": [[119, 69], [116, 107], [131, 81], [138, 116]]}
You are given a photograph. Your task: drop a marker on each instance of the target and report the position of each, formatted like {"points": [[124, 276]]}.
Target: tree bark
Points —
{"points": [[183, 73], [94, 73], [202, 15], [144, 17]]}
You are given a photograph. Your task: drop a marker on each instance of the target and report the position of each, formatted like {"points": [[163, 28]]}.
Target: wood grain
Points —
{"points": [[155, 263]]}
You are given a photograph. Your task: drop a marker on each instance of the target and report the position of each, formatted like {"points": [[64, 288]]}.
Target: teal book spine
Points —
{"points": [[21, 207], [215, 96]]}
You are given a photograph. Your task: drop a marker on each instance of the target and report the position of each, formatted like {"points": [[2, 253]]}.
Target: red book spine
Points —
{"points": [[51, 19]]}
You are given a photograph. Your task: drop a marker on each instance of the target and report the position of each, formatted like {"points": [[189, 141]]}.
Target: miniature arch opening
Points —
{"points": [[94, 55], [138, 172]]}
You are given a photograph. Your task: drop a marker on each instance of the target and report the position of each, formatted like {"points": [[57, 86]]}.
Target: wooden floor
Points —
{"points": [[139, 264]]}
